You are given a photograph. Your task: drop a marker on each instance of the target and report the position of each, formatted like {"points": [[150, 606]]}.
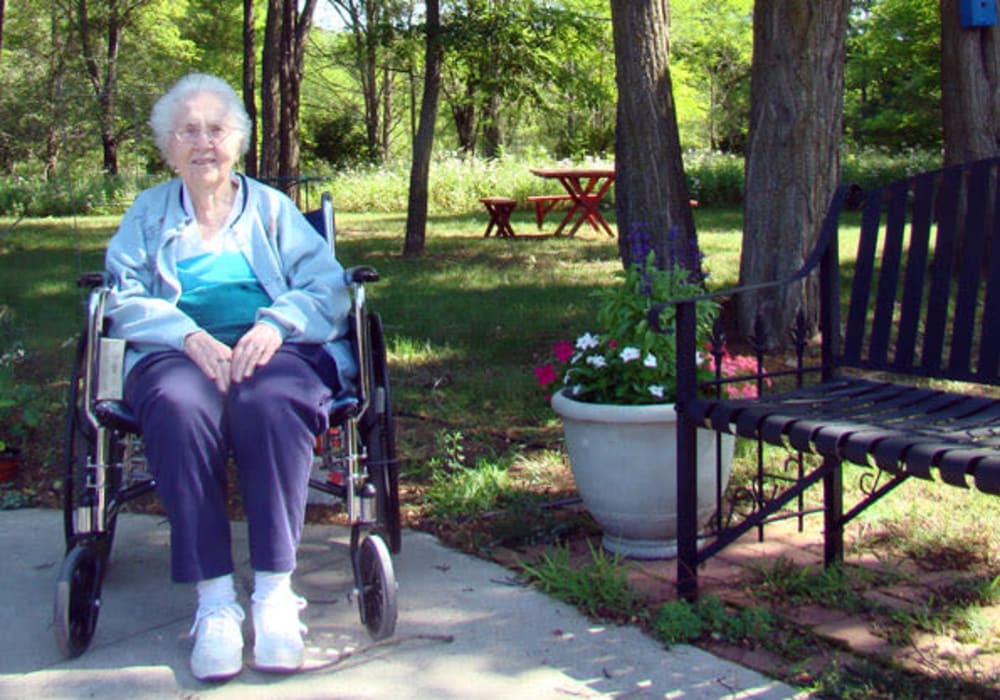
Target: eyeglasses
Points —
{"points": [[192, 134]]}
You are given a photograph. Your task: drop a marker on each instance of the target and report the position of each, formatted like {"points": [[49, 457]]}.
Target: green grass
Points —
{"points": [[466, 323]]}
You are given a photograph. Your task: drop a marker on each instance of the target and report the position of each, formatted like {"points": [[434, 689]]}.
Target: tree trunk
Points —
{"points": [[796, 109], [288, 102], [970, 88], [3, 6], [416, 213], [269, 90], [463, 112], [492, 132], [651, 193], [105, 87], [249, 84]]}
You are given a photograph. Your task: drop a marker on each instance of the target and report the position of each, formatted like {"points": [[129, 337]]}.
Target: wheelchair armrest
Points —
{"points": [[90, 280]]}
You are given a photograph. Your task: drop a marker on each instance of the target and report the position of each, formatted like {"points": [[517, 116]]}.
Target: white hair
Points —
{"points": [[163, 117]]}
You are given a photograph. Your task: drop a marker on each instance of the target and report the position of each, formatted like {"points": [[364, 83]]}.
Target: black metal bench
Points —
{"points": [[924, 304]]}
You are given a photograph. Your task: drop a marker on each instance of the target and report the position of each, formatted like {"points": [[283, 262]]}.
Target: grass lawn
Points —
{"points": [[466, 323]]}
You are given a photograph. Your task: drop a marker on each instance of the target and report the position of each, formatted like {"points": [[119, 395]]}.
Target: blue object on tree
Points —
{"points": [[979, 13]]}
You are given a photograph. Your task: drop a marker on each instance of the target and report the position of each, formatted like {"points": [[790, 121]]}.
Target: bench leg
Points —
{"points": [[687, 511], [833, 512], [506, 230]]}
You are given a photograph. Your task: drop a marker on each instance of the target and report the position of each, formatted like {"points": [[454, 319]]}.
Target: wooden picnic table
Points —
{"points": [[586, 188]]}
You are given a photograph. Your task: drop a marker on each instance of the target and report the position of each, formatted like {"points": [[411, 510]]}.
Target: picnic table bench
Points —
{"points": [[544, 203], [923, 305], [499, 210]]}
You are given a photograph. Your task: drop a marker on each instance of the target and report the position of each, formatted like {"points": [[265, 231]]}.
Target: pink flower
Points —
{"points": [[734, 366], [563, 350], [546, 374]]}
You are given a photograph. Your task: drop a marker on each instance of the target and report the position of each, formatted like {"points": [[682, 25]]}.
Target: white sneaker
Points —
{"points": [[218, 643], [278, 645]]}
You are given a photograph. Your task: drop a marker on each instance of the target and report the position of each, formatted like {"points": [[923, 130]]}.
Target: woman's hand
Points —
{"points": [[212, 357], [255, 349]]}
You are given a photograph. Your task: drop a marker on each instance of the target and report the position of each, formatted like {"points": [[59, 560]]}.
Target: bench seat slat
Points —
{"points": [[897, 427], [987, 475]]}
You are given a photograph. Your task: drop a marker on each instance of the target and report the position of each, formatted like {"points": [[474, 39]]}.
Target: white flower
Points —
{"points": [[597, 361], [586, 341], [628, 354], [650, 361], [698, 357], [656, 390]]}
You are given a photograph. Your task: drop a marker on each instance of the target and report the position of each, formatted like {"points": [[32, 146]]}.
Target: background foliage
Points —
{"points": [[528, 79]]}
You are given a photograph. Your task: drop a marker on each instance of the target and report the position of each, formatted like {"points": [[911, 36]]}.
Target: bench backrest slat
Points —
{"points": [[916, 276], [989, 350], [925, 297]]}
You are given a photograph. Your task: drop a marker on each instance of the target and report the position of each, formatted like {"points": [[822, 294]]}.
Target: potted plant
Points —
{"points": [[615, 389], [17, 412]]}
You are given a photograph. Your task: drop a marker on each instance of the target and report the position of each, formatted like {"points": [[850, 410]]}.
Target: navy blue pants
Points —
{"points": [[267, 423]]}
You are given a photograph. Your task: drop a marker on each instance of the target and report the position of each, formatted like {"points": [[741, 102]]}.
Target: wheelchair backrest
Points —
{"points": [[323, 221]]}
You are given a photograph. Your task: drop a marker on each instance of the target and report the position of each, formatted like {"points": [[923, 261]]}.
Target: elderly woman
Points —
{"points": [[235, 315]]}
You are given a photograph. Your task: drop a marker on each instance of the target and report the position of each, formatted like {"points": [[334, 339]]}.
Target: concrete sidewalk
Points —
{"points": [[467, 629]]}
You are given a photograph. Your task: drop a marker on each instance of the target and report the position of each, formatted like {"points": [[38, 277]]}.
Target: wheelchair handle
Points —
{"points": [[361, 274], [89, 280]]}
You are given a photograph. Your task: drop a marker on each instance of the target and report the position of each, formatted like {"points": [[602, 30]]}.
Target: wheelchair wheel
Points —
{"points": [[379, 588], [79, 448], [379, 439], [78, 599]]}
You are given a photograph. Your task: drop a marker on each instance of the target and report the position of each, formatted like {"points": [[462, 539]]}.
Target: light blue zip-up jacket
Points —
{"points": [[310, 302]]}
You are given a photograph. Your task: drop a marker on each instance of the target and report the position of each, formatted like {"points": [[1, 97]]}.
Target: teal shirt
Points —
{"points": [[220, 292]]}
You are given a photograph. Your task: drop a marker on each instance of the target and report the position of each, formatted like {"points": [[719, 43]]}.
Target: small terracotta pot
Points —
{"points": [[10, 463]]}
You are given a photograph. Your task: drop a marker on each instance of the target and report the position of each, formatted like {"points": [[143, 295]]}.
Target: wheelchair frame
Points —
{"points": [[105, 467]]}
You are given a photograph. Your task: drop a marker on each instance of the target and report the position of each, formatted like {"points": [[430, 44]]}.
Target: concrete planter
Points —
{"points": [[623, 459]]}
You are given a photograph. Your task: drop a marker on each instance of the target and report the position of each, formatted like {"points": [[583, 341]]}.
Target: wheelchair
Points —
{"points": [[105, 467]]}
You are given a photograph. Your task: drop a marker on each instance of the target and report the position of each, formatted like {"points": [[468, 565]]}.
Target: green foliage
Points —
{"points": [[12, 499], [679, 621], [628, 361], [892, 91], [19, 412], [458, 490], [337, 139], [711, 47], [80, 193], [598, 587]]}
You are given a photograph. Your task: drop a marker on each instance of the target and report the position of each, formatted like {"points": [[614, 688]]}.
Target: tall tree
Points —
{"points": [[970, 87], [650, 188], [416, 214], [250, 84], [108, 19], [282, 65], [370, 24], [796, 108]]}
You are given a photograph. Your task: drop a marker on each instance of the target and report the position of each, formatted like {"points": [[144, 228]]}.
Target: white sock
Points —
{"points": [[215, 593], [271, 585]]}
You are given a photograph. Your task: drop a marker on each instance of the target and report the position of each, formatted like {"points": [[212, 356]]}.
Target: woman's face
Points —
{"points": [[204, 145]]}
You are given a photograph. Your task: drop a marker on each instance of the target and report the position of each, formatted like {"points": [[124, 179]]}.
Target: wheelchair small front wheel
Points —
{"points": [[78, 599], [379, 590]]}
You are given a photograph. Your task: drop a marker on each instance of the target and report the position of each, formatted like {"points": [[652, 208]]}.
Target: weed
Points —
{"points": [[676, 621], [598, 587], [467, 492], [11, 499]]}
